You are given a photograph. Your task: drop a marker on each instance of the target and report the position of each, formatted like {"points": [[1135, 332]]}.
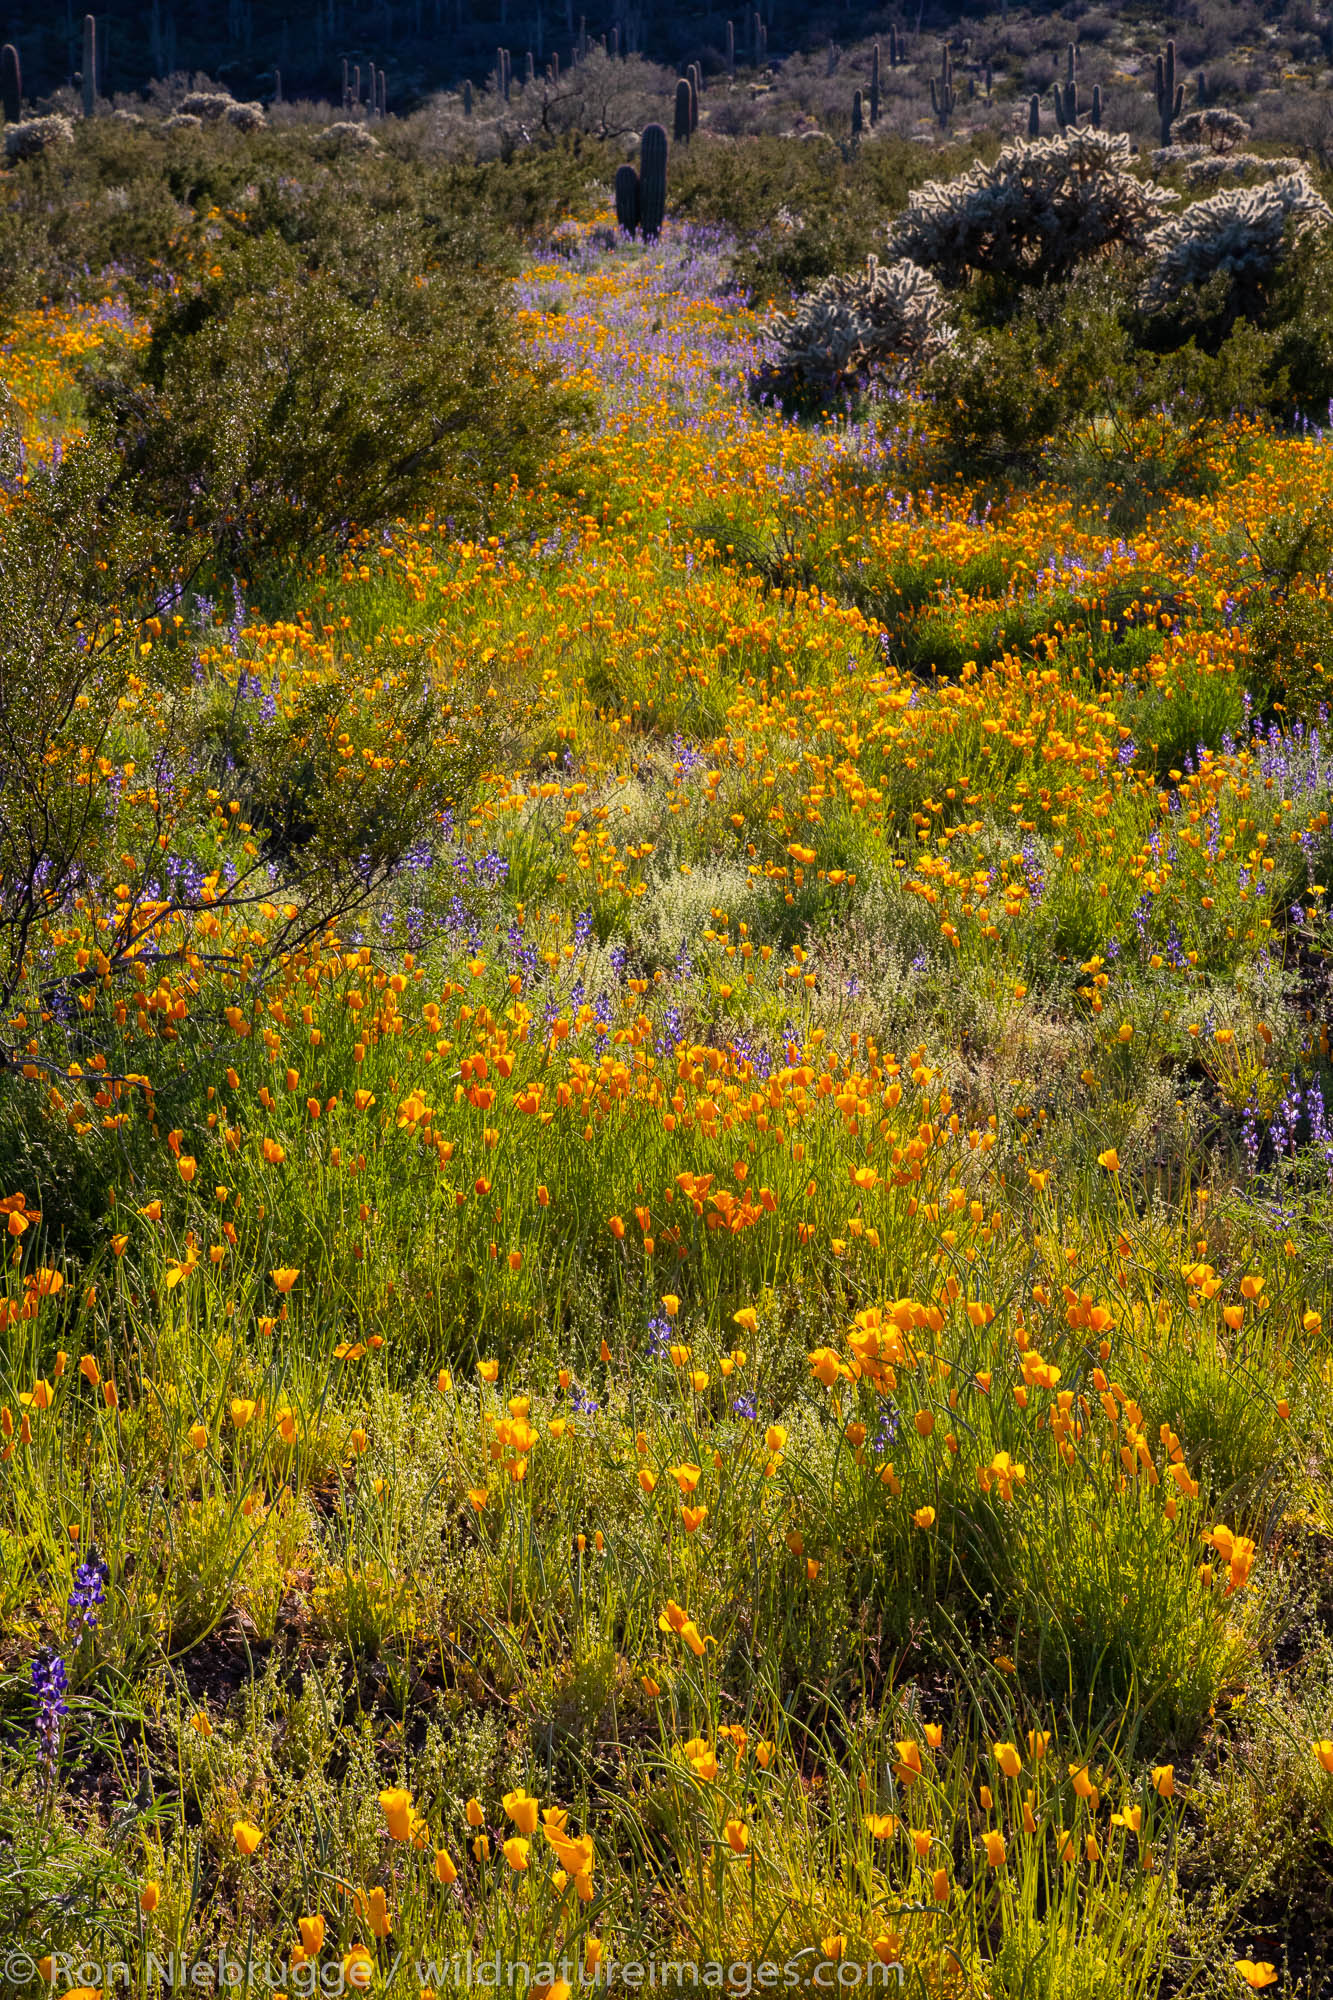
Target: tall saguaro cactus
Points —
{"points": [[874, 85], [943, 96], [89, 66], [1170, 95], [858, 117], [731, 48], [652, 179], [681, 127], [627, 198], [897, 47], [1034, 116], [11, 83], [1097, 106]]}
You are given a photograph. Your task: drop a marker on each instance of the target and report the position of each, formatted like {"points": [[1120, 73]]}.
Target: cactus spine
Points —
{"points": [[1170, 95], [11, 83], [89, 66], [943, 96], [652, 179], [681, 128], [874, 85], [627, 198]]}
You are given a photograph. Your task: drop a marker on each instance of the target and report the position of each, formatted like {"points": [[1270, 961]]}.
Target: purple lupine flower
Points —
{"points": [[50, 1684], [88, 1593]]}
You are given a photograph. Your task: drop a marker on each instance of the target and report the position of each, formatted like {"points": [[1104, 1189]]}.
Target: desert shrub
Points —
{"points": [[74, 560], [211, 106], [799, 211], [277, 409], [1000, 392], [1291, 626], [1039, 211], [1237, 240], [1215, 127], [32, 137], [885, 322], [346, 134]]}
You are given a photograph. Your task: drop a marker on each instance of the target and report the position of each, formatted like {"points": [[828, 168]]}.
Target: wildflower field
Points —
{"points": [[724, 1356]]}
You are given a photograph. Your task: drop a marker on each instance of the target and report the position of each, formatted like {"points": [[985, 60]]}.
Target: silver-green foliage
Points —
{"points": [[1041, 209], [32, 136], [1242, 234], [886, 320]]}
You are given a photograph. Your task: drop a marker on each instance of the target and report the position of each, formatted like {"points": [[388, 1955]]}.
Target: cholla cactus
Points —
{"points": [[32, 136], [1243, 233], [1043, 207], [1220, 130], [210, 105], [347, 135], [885, 321], [1209, 169], [246, 117]]}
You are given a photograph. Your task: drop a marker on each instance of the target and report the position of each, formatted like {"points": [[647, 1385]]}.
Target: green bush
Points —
{"points": [[799, 211], [280, 409]]}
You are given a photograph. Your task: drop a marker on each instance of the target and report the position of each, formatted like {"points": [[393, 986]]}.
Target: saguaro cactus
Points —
{"points": [[943, 96], [89, 66], [652, 179], [897, 51], [858, 119], [627, 198], [1034, 116], [731, 48], [1071, 58], [467, 96], [1066, 105], [11, 83], [1170, 95], [874, 84], [696, 76], [681, 128], [1097, 106]]}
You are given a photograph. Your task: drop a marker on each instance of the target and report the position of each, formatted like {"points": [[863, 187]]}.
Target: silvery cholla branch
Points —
{"points": [[886, 320], [1044, 206], [1242, 232]]}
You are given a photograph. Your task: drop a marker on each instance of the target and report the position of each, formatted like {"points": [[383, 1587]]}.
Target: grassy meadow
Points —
{"points": [[726, 1358]]}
